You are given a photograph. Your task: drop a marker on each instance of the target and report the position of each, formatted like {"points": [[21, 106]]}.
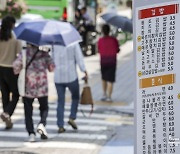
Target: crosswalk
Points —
{"points": [[92, 131]]}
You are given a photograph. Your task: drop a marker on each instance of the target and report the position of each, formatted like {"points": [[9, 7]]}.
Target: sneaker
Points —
{"points": [[104, 97], [42, 131], [109, 100], [6, 118], [61, 130], [72, 123], [31, 138]]}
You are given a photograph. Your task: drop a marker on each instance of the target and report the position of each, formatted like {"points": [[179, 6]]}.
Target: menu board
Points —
{"points": [[157, 47]]}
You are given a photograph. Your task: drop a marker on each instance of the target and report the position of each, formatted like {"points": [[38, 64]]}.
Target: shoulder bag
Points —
{"points": [[86, 97]]}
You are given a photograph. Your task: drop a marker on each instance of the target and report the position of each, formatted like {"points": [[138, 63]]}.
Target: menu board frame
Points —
{"points": [[158, 82]]}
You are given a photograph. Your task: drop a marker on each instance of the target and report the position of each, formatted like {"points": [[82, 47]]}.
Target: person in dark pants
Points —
{"points": [[9, 48], [65, 76], [28, 109], [36, 86], [108, 47], [7, 86], [74, 89]]}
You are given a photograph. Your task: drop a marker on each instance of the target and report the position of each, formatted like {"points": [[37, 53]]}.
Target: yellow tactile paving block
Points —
{"points": [[122, 120]]}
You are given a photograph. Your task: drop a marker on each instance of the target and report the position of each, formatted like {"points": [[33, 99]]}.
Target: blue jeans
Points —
{"points": [[61, 89]]}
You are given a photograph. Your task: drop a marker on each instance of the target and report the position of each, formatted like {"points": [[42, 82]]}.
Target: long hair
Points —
{"points": [[6, 28]]}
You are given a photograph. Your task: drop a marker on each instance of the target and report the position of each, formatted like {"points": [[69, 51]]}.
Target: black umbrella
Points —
{"points": [[118, 21]]}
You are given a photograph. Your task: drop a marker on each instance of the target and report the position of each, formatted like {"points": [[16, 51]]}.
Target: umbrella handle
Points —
{"points": [[52, 47]]}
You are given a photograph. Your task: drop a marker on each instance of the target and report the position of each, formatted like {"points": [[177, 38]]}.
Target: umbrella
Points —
{"points": [[119, 21], [47, 32]]}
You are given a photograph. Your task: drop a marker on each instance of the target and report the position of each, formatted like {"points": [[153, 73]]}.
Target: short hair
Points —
{"points": [[106, 29], [84, 8]]}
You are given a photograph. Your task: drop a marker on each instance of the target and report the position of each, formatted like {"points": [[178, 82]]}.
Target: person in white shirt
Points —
{"points": [[65, 59]]}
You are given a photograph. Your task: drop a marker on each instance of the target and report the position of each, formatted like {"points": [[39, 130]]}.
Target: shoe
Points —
{"points": [[72, 123], [109, 100], [61, 130], [6, 118], [31, 138], [42, 131], [104, 97], [9, 126]]}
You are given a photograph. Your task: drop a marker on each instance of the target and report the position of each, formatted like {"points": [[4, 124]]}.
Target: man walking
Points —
{"points": [[65, 59], [108, 47]]}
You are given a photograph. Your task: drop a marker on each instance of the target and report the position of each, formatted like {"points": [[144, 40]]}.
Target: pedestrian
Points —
{"points": [[9, 48], [65, 59], [108, 47], [36, 86], [78, 19], [86, 16]]}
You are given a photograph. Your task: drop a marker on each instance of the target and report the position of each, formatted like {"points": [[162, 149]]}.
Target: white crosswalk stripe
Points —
{"points": [[52, 112], [51, 144], [54, 127], [89, 129], [72, 135]]}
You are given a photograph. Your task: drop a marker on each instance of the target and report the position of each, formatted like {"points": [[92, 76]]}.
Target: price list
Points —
{"points": [[158, 79]]}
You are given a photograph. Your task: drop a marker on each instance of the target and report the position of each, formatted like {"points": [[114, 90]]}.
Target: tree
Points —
{"points": [[15, 8]]}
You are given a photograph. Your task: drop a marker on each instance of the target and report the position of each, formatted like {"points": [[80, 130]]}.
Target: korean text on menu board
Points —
{"points": [[156, 53]]}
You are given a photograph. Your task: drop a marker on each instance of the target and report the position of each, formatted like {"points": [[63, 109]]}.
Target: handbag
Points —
{"points": [[21, 77], [86, 97], [22, 74]]}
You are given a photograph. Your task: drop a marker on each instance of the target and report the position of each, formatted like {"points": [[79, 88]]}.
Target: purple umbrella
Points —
{"points": [[119, 21], [47, 32]]}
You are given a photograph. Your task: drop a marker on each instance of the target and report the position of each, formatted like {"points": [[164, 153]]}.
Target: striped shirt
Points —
{"points": [[65, 59]]}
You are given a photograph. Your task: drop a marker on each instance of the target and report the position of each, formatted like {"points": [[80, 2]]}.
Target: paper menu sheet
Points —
{"points": [[158, 78]]}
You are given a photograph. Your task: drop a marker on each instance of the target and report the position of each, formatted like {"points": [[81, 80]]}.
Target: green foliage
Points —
{"points": [[124, 37], [14, 7]]}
